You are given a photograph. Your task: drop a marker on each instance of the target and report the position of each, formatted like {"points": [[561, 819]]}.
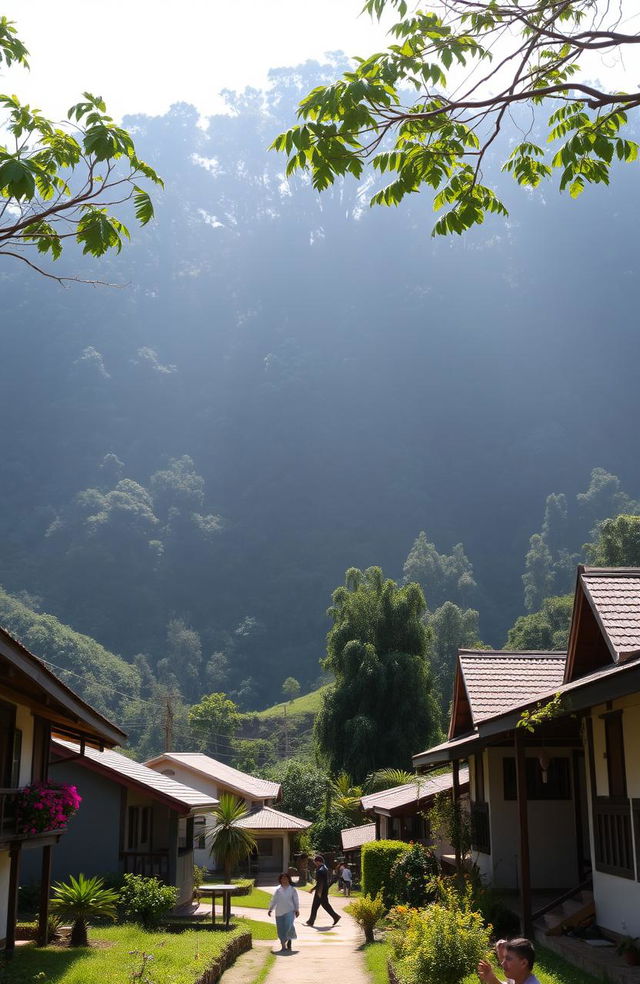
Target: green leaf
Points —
{"points": [[143, 205]]}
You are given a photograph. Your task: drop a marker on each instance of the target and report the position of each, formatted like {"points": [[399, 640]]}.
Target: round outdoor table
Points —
{"points": [[225, 892]]}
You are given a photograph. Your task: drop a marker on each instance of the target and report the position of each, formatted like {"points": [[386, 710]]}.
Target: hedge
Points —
{"points": [[378, 858]]}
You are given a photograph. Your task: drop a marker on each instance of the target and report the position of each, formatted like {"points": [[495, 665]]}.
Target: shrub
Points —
{"points": [[440, 944], [84, 900], [146, 900], [411, 876], [367, 912], [378, 858]]}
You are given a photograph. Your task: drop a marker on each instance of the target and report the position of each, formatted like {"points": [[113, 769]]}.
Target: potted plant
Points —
{"points": [[629, 949], [45, 806]]}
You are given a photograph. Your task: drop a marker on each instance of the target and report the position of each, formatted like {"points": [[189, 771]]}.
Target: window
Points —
{"points": [[138, 827], [7, 732], [614, 743], [556, 787], [199, 831], [479, 776]]}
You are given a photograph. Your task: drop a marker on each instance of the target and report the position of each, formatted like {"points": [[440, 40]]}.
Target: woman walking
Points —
{"points": [[284, 902]]}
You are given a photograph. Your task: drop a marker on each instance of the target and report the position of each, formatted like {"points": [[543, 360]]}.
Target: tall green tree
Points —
{"points": [[441, 576], [539, 575], [617, 543], [214, 721], [63, 181], [438, 139], [380, 709], [544, 629], [453, 629]]}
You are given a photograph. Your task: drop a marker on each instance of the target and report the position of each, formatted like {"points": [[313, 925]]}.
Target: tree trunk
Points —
{"points": [[79, 933]]}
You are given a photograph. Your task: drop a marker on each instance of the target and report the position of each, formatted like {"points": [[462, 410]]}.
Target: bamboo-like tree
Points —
{"points": [[229, 842], [83, 900]]}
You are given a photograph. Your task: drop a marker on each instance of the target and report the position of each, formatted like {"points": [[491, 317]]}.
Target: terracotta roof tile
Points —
{"points": [[615, 596], [269, 819], [354, 837], [127, 768], [495, 681], [225, 775]]}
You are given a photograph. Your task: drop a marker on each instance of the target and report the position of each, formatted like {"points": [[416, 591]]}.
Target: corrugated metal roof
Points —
{"points": [[615, 595], [127, 768], [413, 792], [354, 837], [269, 819], [249, 786], [495, 681]]}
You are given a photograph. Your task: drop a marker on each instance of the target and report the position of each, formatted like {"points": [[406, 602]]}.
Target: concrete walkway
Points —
{"points": [[320, 953]]}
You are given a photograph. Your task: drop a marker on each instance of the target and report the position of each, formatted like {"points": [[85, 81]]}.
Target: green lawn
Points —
{"points": [[178, 958], [376, 956], [355, 892], [257, 899], [259, 929]]}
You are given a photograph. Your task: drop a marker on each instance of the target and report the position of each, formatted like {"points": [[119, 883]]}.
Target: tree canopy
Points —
{"points": [[380, 710], [428, 109], [61, 181]]}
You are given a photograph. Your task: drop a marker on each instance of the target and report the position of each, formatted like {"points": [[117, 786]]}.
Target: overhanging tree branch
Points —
{"points": [[432, 142]]}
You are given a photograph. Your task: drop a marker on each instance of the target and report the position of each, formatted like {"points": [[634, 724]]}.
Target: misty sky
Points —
{"points": [[144, 55]]}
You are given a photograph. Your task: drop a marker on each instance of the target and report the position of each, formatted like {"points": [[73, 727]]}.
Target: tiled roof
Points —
{"points": [[125, 768], [354, 837], [225, 775], [412, 792], [614, 594], [269, 819], [78, 715], [497, 681]]}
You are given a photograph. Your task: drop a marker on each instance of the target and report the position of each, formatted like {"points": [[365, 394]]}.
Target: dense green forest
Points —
{"points": [[284, 387]]}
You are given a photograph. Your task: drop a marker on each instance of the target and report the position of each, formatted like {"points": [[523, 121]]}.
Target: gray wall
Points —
{"points": [[91, 843]]}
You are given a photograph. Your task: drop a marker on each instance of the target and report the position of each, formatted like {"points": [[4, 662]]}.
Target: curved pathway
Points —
{"points": [[323, 952]]}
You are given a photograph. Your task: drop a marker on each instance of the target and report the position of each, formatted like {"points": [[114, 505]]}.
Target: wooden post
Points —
{"points": [[523, 819], [12, 900], [45, 886], [455, 796]]}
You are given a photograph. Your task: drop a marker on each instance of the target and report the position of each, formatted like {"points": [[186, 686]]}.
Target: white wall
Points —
{"points": [[553, 859], [617, 899]]}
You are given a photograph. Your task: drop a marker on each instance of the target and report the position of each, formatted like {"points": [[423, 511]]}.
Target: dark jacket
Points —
{"points": [[322, 880]]}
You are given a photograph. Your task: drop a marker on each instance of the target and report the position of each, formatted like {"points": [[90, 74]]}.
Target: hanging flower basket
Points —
{"points": [[44, 806]]}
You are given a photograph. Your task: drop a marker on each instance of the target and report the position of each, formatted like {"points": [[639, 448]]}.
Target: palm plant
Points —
{"points": [[229, 842], [83, 900], [388, 778], [345, 797]]}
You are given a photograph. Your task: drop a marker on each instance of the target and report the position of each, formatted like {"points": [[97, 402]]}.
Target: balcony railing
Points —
{"points": [[612, 837], [151, 864], [7, 813], [480, 830]]}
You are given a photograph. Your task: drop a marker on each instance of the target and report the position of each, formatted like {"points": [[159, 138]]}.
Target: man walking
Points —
{"points": [[321, 892]]}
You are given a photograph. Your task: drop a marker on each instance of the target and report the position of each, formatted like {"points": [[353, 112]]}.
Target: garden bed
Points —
{"points": [[189, 957]]}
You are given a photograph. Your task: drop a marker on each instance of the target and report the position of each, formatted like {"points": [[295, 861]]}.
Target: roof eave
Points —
{"points": [[80, 712]]}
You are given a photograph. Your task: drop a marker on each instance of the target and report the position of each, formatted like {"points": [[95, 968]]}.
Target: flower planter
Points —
{"points": [[45, 807]]}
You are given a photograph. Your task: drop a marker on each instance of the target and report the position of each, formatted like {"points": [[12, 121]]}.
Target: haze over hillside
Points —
{"points": [[290, 386]]}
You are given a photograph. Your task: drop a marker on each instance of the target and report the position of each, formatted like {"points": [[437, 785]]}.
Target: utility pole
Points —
{"points": [[168, 723]]}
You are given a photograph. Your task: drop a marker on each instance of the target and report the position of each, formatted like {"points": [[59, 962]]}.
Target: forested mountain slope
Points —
{"points": [[287, 387]]}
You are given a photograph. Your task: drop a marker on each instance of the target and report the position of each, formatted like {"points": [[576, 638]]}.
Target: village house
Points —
{"points": [[34, 705], [556, 806], [275, 831], [131, 820]]}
